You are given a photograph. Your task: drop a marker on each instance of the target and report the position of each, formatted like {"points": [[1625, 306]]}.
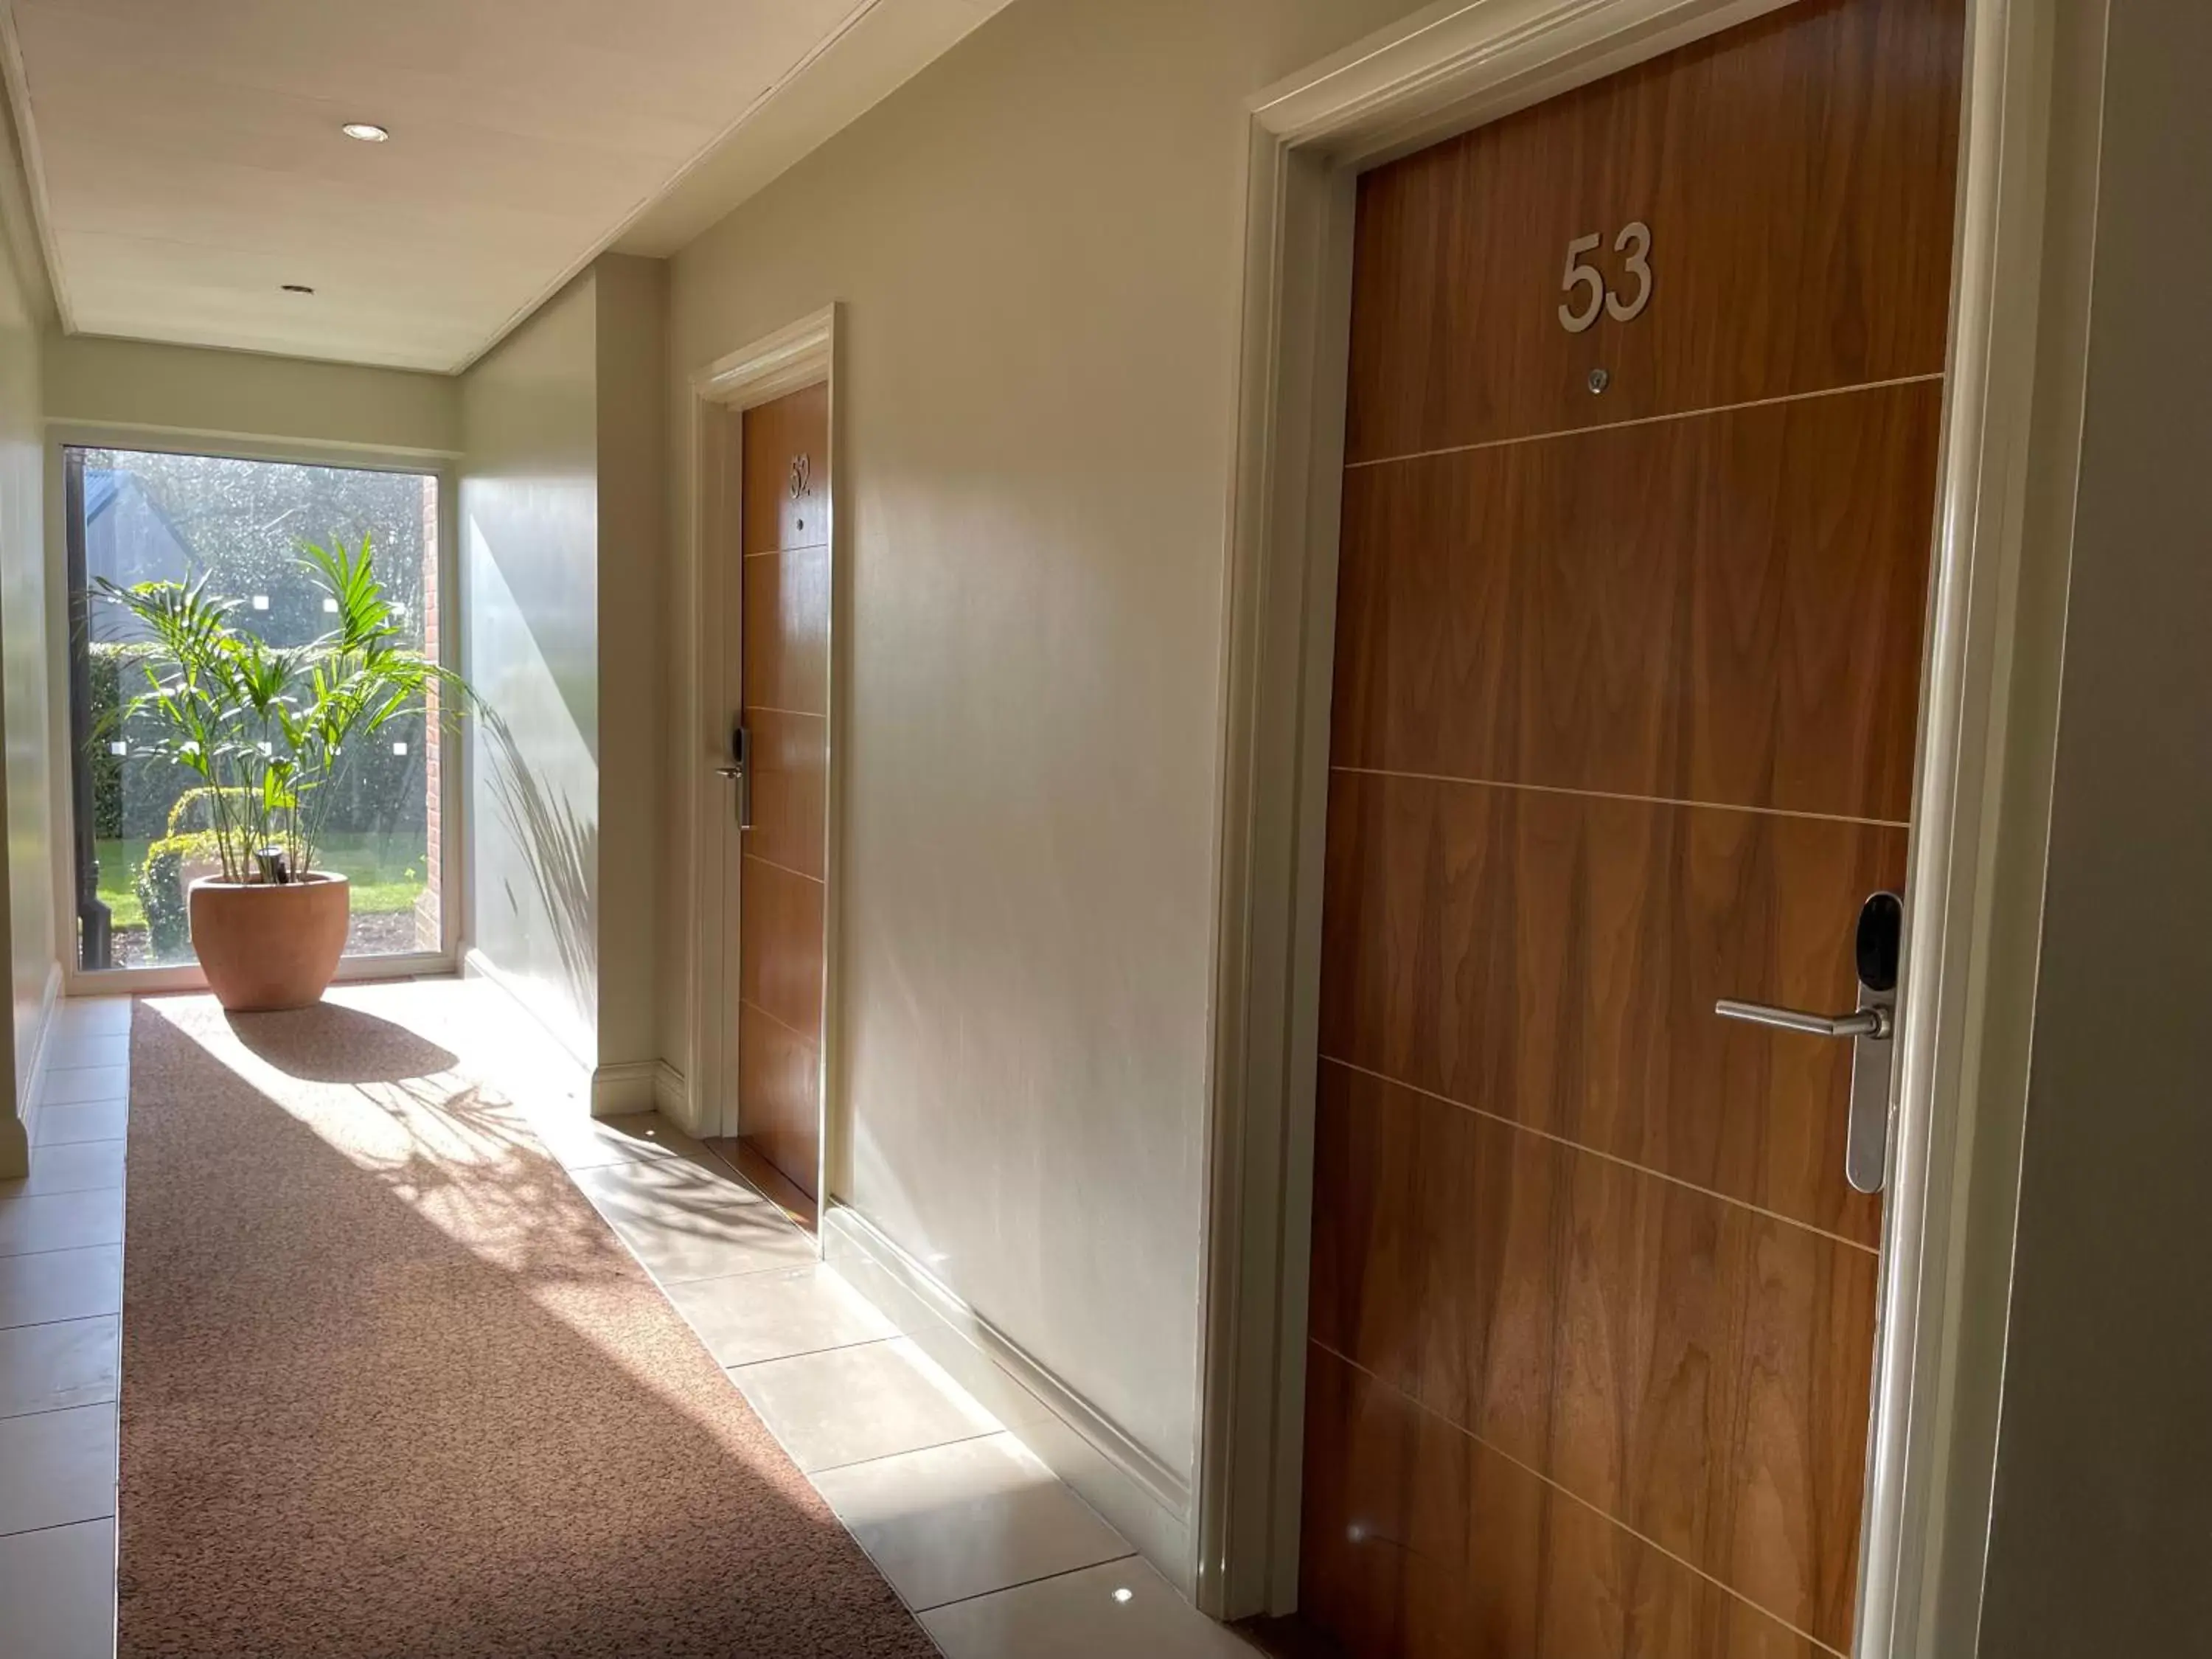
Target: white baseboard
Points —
{"points": [[1148, 1502], [42, 1045], [31, 1081], [671, 1094], [638, 1085]]}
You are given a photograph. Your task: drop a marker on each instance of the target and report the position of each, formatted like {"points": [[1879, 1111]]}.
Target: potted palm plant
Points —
{"points": [[267, 730]]}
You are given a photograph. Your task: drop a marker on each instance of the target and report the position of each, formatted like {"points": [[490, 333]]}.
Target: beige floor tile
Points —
{"points": [[578, 1142], [57, 1284], [58, 1589], [92, 1016], [57, 1467], [846, 1405], [775, 1314], [77, 1166], [685, 1221], [85, 1084], [59, 1126], [1111, 1611], [72, 1051], [961, 1520], [45, 1367], [60, 1221]]}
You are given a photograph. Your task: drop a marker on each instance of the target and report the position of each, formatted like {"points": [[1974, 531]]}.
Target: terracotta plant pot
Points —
{"points": [[264, 945]]}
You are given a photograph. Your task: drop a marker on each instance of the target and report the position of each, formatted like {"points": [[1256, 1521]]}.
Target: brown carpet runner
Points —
{"points": [[390, 1387]]}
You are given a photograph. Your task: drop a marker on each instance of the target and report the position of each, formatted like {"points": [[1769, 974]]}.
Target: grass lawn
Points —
{"points": [[386, 872]]}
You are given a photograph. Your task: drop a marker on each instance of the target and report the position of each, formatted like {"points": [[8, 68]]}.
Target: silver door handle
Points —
{"points": [[739, 771], [1870, 1026], [1866, 1022]]}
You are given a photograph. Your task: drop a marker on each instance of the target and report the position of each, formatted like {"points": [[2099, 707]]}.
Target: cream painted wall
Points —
{"points": [[34, 952], [632, 543], [1038, 242], [529, 531], [563, 530], [159, 388], [2097, 1542]]}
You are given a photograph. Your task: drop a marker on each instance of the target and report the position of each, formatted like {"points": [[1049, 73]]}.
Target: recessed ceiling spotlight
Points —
{"points": [[367, 132], [297, 287]]}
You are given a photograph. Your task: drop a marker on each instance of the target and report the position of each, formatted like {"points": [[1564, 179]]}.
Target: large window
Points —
{"points": [[134, 517]]}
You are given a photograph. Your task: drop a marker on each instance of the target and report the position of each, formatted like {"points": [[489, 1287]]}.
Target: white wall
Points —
{"points": [[2104, 1456], [633, 369], [1038, 242], [564, 533], [529, 531], [26, 908], [159, 389]]}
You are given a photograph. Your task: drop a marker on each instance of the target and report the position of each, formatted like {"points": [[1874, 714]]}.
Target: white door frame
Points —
{"points": [[799, 355], [1451, 67]]}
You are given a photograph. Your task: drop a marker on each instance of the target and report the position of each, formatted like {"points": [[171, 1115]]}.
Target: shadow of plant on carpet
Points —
{"points": [[330, 1043]]}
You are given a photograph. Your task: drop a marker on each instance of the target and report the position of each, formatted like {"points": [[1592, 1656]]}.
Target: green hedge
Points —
{"points": [[110, 663]]}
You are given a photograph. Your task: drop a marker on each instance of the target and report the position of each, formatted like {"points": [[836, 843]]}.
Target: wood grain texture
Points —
{"points": [[1622, 723], [791, 762], [780, 1084], [786, 501], [1431, 1545], [1554, 960], [1725, 608], [787, 631], [1691, 1367], [1797, 174], [780, 962], [785, 680]]}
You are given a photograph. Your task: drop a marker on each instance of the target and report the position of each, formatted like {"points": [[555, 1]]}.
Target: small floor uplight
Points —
{"points": [[367, 132], [1125, 1594]]}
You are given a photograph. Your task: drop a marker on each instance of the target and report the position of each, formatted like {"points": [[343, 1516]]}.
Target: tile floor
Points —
{"points": [[61, 1305], [994, 1554]]}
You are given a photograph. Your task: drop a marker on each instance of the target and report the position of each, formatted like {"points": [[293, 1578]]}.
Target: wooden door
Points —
{"points": [[783, 863], [1633, 572]]}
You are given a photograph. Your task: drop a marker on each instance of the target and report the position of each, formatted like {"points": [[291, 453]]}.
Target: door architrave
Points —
{"points": [[801, 353], [1961, 1062]]}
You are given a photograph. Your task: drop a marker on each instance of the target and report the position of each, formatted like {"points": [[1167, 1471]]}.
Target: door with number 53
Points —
{"points": [[1641, 446]]}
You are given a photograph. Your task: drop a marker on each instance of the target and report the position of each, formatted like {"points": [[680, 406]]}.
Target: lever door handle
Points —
{"points": [[731, 771], [1866, 1022], [1870, 1026]]}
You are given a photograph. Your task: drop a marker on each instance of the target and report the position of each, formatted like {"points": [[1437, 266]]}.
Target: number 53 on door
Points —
{"points": [[1635, 241]]}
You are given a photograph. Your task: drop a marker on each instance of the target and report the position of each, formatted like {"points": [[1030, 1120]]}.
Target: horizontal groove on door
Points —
{"points": [[1457, 1550], [1646, 420], [1530, 1129], [780, 919], [1797, 179], [780, 1083], [1696, 1369], [786, 632], [1724, 611], [1612, 794], [1554, 960], [790, 792]]}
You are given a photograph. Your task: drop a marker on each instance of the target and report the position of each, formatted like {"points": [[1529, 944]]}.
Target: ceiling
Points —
{"points": [[185, 161]]}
